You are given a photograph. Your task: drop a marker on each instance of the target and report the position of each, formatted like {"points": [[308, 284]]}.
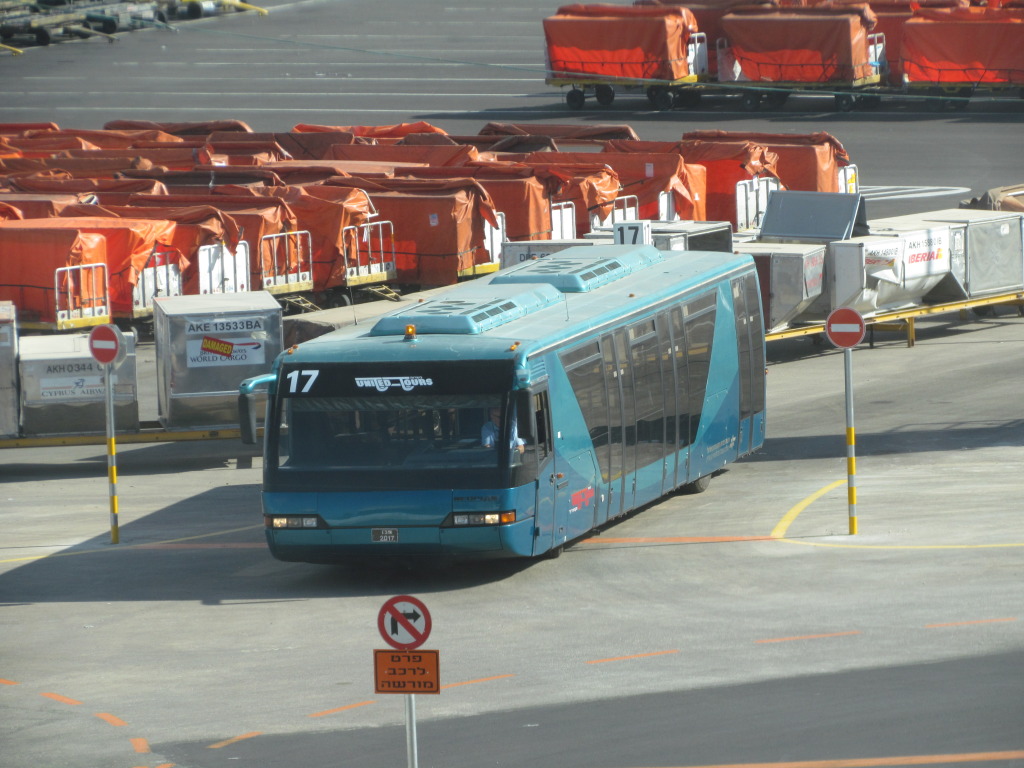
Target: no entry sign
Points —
{"points": [[845, 327], [106, 344], [404, 622]]}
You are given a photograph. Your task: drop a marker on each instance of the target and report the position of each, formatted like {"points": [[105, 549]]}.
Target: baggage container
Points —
{"points": [[63, 390], [684, 235], [986, 250], [8, 370], [206, 345], [514, 253], [812, 217], [791, 276], [885, 272]]}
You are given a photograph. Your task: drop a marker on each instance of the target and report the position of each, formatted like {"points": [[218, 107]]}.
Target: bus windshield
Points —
{"points": [[384, 442]]}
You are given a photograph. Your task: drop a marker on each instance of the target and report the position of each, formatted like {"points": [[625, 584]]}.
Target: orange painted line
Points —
{"points": [[341, 709], [674, 539], [635, 656], [61, 699], [117, 721], [471, 682], [872, 762], [141, 746], [8, 682], [966, 623], [807, 637], [243, 737]]}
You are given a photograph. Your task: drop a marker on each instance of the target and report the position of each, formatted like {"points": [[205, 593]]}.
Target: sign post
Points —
{"points": [[404, 623], [107, 346], [845, 329]]}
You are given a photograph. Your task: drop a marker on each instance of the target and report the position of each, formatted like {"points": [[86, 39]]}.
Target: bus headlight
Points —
{"points": [[293, 521], [462, 519]]}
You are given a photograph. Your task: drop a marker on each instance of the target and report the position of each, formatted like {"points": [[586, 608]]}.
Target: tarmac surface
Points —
{"points": [[744, 626]]}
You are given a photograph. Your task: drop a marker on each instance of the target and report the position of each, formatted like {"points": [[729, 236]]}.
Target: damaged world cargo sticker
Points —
{"points": [[220, 350]]}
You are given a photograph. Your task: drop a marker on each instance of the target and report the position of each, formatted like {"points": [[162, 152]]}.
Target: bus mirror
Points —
{"points": [[247, 406], [247, 417]]}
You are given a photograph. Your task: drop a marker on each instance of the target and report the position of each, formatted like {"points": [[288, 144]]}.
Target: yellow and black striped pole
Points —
{"points": [[851, 443], [115, 534]]}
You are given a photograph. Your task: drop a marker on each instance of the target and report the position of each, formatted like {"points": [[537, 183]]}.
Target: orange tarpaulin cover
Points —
{"points": [[591, 187], [256, 216], [964, 45], [522, 193], [38, 206], [645, 175], [429, 154], [439, 224], [9, 212], [78, 167], [130, 246], [174, 158], [727, 164], [802, 45], [108, 139], [114, 191], [808, 162], [371, 131], [609, 41], [195, 227], [326, 221], [29, 282], [300, 146], [202, 128]]}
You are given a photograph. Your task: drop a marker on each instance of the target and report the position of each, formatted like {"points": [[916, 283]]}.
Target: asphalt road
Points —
{"points": [[742, 626]]}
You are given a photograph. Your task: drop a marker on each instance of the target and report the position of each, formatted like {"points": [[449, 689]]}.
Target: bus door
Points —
{"points": [[647, 443], [750, 351], [621, 423], [541, 464]]}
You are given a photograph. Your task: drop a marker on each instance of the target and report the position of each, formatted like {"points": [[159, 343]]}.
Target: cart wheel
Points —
{"points": [[775, 99], [751, 101], [688, 98], [844, 102], [108, 26], [43, 37], [604, 94], [575, 98], [662, 99]]}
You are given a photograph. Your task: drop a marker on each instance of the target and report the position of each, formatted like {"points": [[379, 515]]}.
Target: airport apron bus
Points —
{"points": [[516, 412]]}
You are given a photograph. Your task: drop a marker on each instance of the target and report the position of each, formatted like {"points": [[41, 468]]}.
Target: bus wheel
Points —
{"points": [[698, 486], [554, 553]]}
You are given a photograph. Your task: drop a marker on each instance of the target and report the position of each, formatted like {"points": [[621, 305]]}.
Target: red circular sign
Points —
{"points": [[845, 327], [404, 622], [104, 343]]}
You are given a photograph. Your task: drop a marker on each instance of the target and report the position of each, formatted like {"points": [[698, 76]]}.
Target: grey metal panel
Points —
{"points": [[791, 276], [62, 388], [205, 346], [792, 217], [9, 404], [888, 271], [986, 250], [692, 235], [514, 253]]}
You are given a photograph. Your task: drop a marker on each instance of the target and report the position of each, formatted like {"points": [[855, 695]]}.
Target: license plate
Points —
{"points": [[384, 534]]}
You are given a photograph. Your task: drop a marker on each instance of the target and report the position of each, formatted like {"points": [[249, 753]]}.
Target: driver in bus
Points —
{"points": [[492, 428]]}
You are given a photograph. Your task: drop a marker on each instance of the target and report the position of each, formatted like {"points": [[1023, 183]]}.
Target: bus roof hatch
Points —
{"points": [[580, 269], [469, 311]]}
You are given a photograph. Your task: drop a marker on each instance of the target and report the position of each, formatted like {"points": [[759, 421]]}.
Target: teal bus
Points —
{"points": [[516, 412]]}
